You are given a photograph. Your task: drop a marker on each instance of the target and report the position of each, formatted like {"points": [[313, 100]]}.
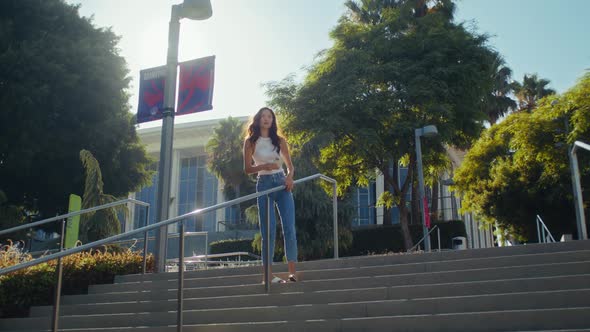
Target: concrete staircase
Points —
{"points": [[524, 288]]}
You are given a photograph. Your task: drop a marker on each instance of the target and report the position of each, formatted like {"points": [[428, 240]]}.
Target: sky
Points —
{"points": [[260, 41]]}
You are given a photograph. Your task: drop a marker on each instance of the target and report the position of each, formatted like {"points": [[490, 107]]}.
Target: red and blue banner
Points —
{"points": [[151, 94], [195, 90]]}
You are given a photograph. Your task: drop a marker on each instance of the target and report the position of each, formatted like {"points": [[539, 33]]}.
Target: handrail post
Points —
{"points": [[145, 240], [335, 216], [207, 251], [180, 277], [59, 273], [543, 234], [266, 240], [538, 230], [438, 234]]}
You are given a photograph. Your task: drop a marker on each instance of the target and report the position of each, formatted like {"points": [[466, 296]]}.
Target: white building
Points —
{"points": [[193, 187]]}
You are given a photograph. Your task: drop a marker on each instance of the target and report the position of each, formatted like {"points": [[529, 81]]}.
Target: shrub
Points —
{"points": [[225, 246], [380, 239], [36, 285]]}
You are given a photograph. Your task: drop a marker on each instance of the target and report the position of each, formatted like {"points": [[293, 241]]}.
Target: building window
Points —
{"points": [[148, 195], [197, 188], [364, 198], [187, 191], [402, 175]]}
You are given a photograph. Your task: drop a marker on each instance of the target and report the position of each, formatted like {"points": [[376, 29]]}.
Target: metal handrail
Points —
{"points": [[72, 214], [170, 221], [61, 254], [541, 232], [424, 237], [135, 239]]}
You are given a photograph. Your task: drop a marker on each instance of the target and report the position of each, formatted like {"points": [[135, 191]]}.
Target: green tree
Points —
{"points": [[395, 66], [63, 88], [225, 159], [313, 202], [530, 91], [519, 168], [102, 223], [11, 216]]}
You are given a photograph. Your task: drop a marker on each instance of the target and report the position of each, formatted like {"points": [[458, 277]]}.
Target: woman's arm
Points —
{"points": [[249, 167], [289, 163]]}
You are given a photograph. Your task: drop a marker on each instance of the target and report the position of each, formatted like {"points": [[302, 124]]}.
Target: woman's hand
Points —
{"points": [[289, 183]]}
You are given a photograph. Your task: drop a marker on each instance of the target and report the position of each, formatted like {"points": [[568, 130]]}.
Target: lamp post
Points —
{"points": [[576, 187], [427, 131], [581, 218], [194, 10]]}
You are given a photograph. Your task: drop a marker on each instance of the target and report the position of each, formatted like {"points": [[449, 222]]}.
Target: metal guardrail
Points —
{"points": [[543, 233], [179, 219], [577, 189], [427, 235], [73, 214], [61, 254]]}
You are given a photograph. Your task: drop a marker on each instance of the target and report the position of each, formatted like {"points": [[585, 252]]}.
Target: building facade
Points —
{"points": [[193, 187]]}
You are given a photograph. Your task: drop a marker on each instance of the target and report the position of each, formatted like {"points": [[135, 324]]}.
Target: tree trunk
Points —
{"points": [[403, 220], [401, 192], [387, 217], [415, 204]]}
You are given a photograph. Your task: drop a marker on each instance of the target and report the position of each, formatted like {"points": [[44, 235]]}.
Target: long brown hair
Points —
{"points": [[254, 129]]}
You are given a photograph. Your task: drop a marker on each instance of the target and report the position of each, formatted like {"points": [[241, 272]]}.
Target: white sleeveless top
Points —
{"points": [[264, 153]]}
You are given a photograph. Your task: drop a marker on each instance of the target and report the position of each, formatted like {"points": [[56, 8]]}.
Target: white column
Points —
{"points": [[131, 215], [220, 213], [379, 189], [174, 188]]}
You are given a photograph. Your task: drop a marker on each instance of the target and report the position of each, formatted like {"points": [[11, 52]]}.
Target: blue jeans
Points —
{"points": [[284, 201]]}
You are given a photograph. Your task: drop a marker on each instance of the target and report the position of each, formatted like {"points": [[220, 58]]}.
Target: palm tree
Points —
{"points": [[371, 11], [498, 103], [225, 158], [530, 91], [103, 223]]}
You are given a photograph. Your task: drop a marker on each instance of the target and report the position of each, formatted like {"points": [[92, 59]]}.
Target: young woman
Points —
{"points": [[264, 153]]}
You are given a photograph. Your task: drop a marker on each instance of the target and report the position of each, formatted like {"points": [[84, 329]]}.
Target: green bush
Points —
{"points": [[225, 246], [380, 239], [35, 286]]}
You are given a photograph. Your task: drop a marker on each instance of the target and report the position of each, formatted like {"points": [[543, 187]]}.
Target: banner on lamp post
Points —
{"points": [[426, 213], [151, 94], [195, 87]]}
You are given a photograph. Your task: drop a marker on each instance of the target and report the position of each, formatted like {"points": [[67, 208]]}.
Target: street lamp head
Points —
{"points": [[196, 9], [427, 131]]}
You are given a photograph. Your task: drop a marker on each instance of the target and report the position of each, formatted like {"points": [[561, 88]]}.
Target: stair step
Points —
{"points": [[552, 319], [337, 295], [392, 269], [376, 260], [345, 282], [344, 310], [524, 288]]}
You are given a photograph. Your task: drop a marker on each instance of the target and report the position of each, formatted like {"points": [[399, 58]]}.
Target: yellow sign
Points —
{"points": [[73, 225]]}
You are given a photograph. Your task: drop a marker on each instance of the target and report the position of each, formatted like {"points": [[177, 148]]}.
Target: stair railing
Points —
{"points": [[65, 217], [179, 219], [543, 233], [424, 237]]}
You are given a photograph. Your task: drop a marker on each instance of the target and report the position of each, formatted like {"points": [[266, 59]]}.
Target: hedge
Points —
{"points": [[225, 246], [35, 286], [380, 239]]}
